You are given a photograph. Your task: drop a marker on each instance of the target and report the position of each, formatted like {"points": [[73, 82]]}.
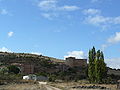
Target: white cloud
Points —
{"points": [[91, 11], [10, 34], [101, 21], [113, 63], [95, 17], [51, 8], [69, 8], [49, 15], [112, 40], [47, 4], [37, 53], [116, 20], [46, 15], [3, 11], [115, 38], [76, 54], [51, 5], [4, 49], [97, 20]]}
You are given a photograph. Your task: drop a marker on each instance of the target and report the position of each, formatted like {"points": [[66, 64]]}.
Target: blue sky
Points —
{"points": [[61, 28]]}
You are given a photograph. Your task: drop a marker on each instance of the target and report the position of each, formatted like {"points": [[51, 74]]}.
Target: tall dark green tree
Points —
{"points": [[91, 66], [103, 66], [97, 67]]}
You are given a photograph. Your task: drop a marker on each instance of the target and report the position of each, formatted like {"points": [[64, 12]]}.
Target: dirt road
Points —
{"points": [[45, 86]]}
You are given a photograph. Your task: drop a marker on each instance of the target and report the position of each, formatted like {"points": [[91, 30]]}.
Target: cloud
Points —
{"points": [[91, 11], [37, 53], [113, 63], [4, 49], [51, 5], [112, 40], [97, 20], [101, 21], [3, 12], [51, 8], [76, 54], [116, 20], [95, 17], [49, 15], [115, 38], [69, 8], [10, 34], [47, 4]]}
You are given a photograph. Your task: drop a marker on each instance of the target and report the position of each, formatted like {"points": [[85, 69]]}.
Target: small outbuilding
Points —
{"points": [[35, 77], [29, 77]]}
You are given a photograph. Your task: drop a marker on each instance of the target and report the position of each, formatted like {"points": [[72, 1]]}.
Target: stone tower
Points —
{"points": [[73, 62]]}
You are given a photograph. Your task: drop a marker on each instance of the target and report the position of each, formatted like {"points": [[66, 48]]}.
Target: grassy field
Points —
{"points": [[20, 87], [51, 85]]}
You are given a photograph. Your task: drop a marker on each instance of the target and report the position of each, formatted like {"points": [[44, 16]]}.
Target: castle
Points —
{"points": [[28, 68], [30, 63], [73, 62]]}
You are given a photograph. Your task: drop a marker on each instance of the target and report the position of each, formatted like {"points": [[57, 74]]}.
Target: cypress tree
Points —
{"points": [[96, 68], [91, 66], [103, 66]]}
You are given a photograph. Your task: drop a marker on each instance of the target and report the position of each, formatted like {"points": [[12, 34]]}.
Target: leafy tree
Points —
{"points": [[13, 69]]}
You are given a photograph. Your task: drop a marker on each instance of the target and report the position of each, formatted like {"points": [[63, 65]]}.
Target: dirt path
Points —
{"points": [[44, 86], [51, 88]]}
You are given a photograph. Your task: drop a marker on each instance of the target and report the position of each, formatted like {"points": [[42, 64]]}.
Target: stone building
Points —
{"points": [[73, 62]]}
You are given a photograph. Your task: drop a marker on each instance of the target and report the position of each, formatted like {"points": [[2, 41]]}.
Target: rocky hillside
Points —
{"points": [[6, 57]]}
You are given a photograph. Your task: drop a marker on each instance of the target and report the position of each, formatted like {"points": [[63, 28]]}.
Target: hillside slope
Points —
{"points": [[6, 57]]}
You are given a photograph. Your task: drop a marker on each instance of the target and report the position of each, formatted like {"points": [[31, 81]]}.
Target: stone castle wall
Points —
{"points": [[72, 62]]}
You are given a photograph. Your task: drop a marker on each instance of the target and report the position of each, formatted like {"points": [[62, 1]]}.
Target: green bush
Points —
{"points": [[13, 69]]}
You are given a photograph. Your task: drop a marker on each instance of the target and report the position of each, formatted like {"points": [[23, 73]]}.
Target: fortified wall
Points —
{"points": [[25, 68], [73, 62], [29, 68]]}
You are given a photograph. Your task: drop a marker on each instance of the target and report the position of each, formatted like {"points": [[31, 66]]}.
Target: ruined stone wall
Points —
{"points": [[72, 62], [25, 68], [28, 68]]}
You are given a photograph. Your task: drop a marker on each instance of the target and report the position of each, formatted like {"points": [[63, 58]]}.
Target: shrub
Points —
{"points": [[13, 69]]}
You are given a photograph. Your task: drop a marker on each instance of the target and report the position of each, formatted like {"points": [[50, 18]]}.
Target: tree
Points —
{"points": [[97, 68], [13, 69], [91, 66], [103, 66]]}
